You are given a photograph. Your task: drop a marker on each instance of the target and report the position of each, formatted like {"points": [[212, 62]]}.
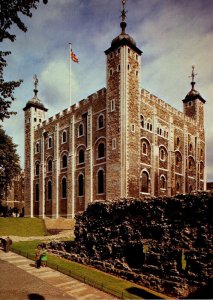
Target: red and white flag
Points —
{"points": [[74, 57]]}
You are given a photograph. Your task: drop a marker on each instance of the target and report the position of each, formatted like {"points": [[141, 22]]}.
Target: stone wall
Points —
{"points": [[162, 243]]}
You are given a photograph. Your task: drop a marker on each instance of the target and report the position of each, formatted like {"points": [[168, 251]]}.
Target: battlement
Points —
{"points": [[147, 97], [72, 109]]}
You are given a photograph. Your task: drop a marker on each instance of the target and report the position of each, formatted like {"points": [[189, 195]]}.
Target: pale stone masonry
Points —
{"points": [[119, 142]]}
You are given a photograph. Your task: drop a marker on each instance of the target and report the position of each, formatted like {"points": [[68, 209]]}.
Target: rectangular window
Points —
{"points": [[112, 105], [114, 144], [133, 127]]}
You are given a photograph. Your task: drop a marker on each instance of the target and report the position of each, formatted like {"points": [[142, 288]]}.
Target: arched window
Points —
{"points": [[201, 170], [81, 156], [50, 165], [81, 130], [50, 142], [149, 125], [201, 152], [80, 185], [64, 161], [162, 182], [144, 148], [49, 190], [177, 162], [100, 182], [37, 169], [37, 147], [101, 150], [177, 187], [64, 188], [145, 182], [190, 147], [100, 122], [142, 121], [64, 137], [162, 154], [178, 141], [37, 192]]}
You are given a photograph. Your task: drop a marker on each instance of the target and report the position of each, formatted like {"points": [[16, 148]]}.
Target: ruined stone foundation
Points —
{"points": [[164, 244]]}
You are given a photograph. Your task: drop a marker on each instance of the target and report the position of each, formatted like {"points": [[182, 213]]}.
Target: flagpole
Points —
{"points": [[70, 49]]}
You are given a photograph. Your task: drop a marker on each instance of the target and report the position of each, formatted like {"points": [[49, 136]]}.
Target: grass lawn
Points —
{"points": [[22, 227], [107, 282]]}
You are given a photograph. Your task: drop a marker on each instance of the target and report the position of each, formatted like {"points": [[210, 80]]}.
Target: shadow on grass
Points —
{"points": [[141, 293], [35, 297], [32, 265]]}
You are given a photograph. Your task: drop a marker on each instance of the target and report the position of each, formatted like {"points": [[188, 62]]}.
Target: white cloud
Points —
{"points": [[172, 34]]}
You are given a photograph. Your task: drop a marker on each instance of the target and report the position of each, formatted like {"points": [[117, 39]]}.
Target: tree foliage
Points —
{"points": [[6, 89], [9, 161], [10, 14]]}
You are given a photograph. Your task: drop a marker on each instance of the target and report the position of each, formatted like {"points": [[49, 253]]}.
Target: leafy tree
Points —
{"points": [[10, 12], [9, 162], [6, 89]]}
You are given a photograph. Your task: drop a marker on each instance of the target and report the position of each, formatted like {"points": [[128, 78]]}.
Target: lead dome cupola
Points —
{"points": [[35, 101]]}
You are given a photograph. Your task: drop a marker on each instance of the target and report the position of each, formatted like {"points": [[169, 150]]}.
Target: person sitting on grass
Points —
{"points": [[44, 256], [8, 244]]}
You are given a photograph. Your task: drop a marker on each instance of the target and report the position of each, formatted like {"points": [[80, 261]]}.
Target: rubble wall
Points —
{"points": [[165, 244]]}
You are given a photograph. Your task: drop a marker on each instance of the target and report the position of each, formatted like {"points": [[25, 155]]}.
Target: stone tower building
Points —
{"points": [[119, 142]]}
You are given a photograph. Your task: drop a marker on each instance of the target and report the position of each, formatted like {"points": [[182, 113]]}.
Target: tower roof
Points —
{"points": [[35, 102], [123, 38], [193, 94]]}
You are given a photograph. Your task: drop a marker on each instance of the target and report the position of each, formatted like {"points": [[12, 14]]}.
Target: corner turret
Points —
{"points": [[193, 102]]}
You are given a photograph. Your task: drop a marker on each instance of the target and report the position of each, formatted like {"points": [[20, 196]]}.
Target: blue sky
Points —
{"points": [[172, 34]]}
